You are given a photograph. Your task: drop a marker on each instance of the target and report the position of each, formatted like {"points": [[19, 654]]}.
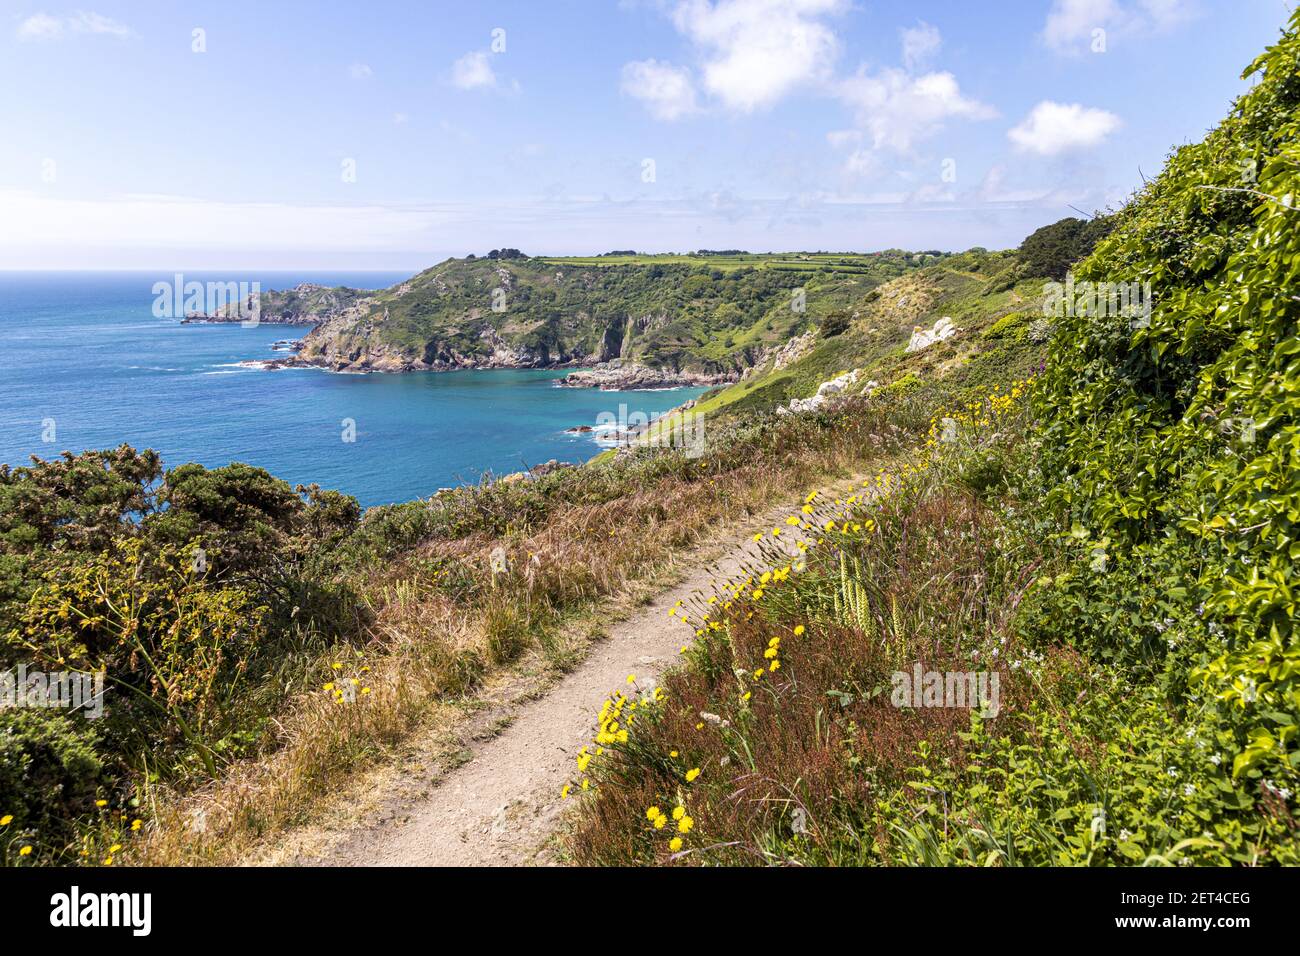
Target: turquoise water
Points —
{"points": [[83, 353]]}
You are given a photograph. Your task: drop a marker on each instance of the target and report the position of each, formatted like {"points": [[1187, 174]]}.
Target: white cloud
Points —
{"points": [[754, 52], [920, 43], [666, 90], [896, 108], [1054, 128], [473, 71], [1071, 23], [42, 26], [360, 71]]}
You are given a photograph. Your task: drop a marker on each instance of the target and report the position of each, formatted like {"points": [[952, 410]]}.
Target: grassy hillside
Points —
{"points": [[710, 315]]}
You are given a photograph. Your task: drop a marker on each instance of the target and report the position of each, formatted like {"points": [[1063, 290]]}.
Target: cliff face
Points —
{"points": [[645, 325]]}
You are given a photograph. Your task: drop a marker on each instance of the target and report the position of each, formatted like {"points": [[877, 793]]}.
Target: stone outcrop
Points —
{"points": [[626, 376]]}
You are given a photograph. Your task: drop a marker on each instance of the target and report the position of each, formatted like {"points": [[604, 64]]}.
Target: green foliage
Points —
{"points": [[50, 773], [1052, 250], [1178, 439]]}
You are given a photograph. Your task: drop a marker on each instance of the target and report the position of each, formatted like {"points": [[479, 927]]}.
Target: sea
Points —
{"points": [[86, 362]]}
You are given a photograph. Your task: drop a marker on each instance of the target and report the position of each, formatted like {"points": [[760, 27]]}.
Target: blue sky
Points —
{"points": [[393, 134]]}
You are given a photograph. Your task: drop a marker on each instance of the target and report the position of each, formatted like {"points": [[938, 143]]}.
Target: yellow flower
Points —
{"points": [[25, 851], [671, 753], [675, 844], [7, 819], [792, 520], [114, 848], [337, 666], [136, 824], [692, 774], [776, 666], [798, 629], [653, 812], [329, 686], [679, 812], [564, 794], [101, 803], [685, 824], [758, 593]]}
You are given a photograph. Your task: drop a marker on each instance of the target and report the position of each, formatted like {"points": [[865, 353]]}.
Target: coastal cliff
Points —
{"points": [[656, 322]]}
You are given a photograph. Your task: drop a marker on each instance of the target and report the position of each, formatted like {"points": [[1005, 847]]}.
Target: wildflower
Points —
{"points": [[337, 666], [798, 629], [758, 593], [672, 753], [136, 824], [679, 812], [564, 793], [25, 851], [792, 520], [329, 686], [7, 819], [101, 803], [776, 666], [675, 844], [685, 824], [692, 774]]}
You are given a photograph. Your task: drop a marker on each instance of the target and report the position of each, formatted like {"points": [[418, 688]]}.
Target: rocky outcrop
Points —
{"points": [[830, 393], [620, 376], [923, 338]]}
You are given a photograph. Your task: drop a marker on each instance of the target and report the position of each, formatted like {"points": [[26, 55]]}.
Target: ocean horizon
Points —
{"points": [[89, 365]]}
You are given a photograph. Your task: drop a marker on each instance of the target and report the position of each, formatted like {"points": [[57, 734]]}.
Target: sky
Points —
{"points": [[391, 135]]}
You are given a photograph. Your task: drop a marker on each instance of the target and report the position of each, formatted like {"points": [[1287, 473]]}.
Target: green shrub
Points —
{"points": [[50, 773]]}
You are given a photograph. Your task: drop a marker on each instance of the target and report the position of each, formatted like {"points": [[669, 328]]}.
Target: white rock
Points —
{"points": [[923, 338]]}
